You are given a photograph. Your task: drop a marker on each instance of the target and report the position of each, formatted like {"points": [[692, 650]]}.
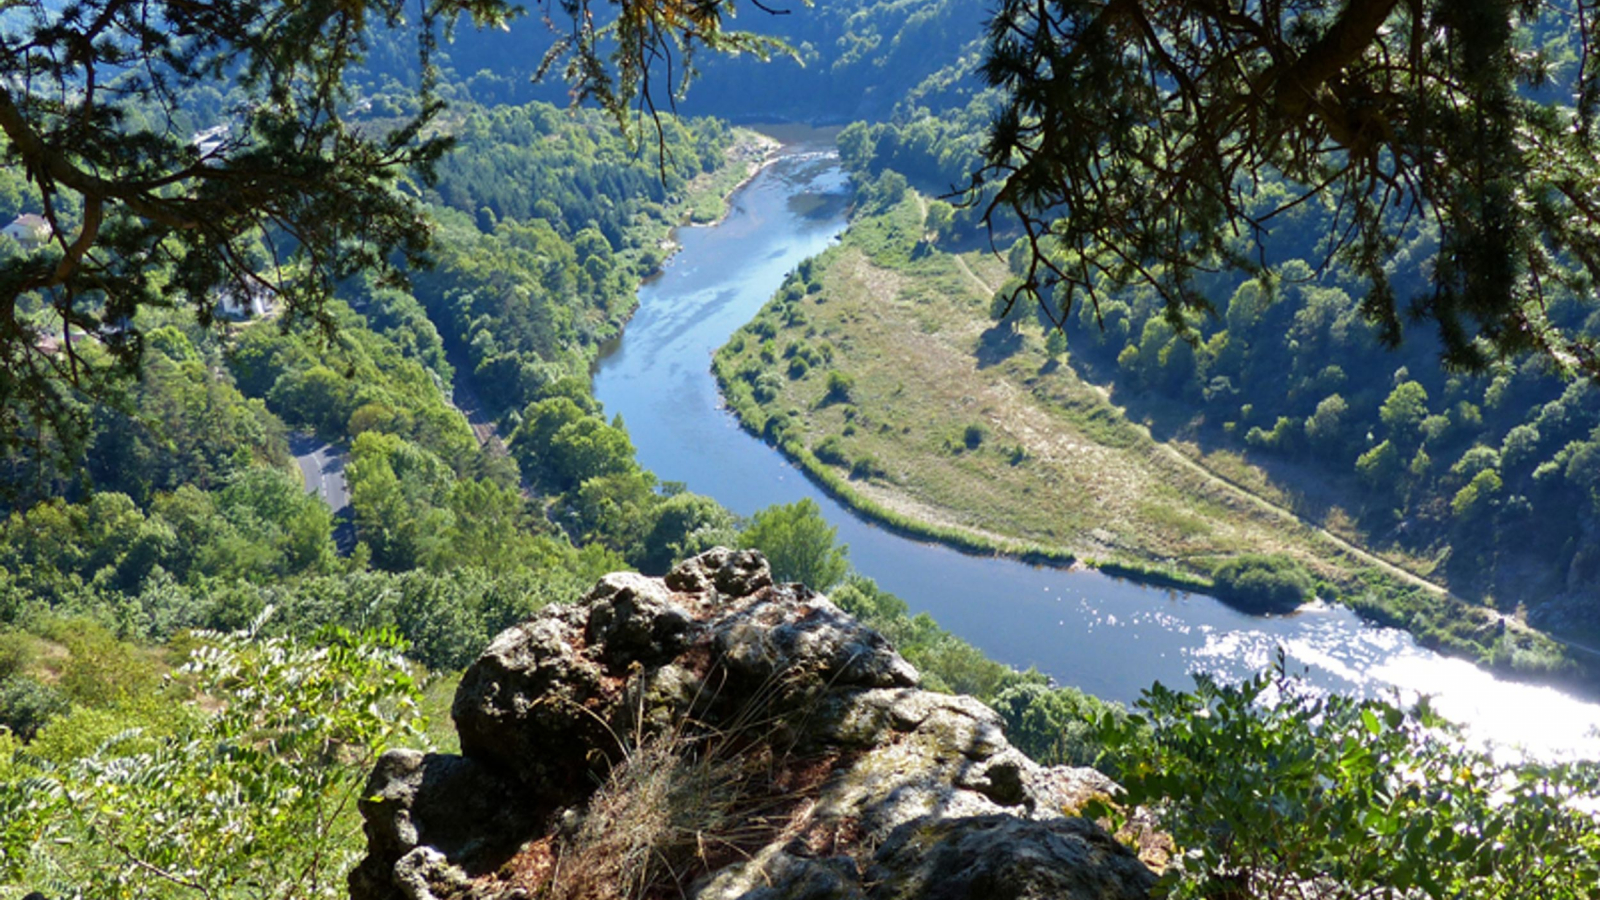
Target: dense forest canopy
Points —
{"points": [[140, 194], [1130, 140], [1133, 137], [841, 60], [173, 603]]}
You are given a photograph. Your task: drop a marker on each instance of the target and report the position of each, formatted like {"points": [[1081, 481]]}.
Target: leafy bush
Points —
{"points": [[685, 524], [26, 704], [830, 450], [1263, 584], [100, 670], [840, 384], [16, 653], [1311, 797], [973, 436], [767, 386], [259, 793], [1055, 344], [1055, 726], [777, 427], [866, 466]]}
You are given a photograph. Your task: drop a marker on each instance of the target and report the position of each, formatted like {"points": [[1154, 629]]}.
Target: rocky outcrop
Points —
{"points": [[715, 735]]}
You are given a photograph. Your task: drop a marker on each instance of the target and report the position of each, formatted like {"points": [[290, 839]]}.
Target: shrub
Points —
{"points": [[772, 431], [974, 436], [238, 797], [26, 704], [1053, 726], [16, 653], [1310, 796], [1263, 584], [866, 467], [101, 670], [767, 385], [839, 387], [1056, 344], [830, 450]]}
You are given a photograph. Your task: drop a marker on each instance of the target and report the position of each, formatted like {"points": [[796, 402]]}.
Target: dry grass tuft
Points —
{"points": [[685, 802], [655, 823]]}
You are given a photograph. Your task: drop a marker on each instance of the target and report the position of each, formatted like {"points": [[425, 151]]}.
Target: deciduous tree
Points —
{"points": [[1135, 134], [799, 544], [144, 205]]}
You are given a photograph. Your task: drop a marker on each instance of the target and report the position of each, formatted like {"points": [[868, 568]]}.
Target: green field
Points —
{"points": [[879, 369]]}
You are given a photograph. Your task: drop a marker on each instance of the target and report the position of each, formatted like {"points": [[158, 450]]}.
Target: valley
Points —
{"points": [[475, 453], [959, 429], [1110, 636]]}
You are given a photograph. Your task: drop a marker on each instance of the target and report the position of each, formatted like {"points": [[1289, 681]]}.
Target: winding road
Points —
{"points": [[322, 465]]}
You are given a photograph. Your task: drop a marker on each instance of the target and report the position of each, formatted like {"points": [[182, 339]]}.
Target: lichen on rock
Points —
{"points": [[715, 735]]}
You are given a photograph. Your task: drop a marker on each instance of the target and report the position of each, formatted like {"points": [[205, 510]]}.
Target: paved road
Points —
{"points": [[322, 464], [465, 399]]}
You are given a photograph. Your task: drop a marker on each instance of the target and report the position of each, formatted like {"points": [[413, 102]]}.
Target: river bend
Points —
{"points": [[1107, 636]]}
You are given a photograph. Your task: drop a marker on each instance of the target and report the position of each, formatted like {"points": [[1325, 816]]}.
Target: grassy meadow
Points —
{"points": [[879, 369]]}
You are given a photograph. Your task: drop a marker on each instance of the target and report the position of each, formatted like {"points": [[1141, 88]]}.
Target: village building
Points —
{"points": [[30, 230], [252, 302]]}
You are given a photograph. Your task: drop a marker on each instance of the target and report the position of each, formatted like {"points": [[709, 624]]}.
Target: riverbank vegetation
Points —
{"points": [[894, 371], [1285, 389], [199, 661]]}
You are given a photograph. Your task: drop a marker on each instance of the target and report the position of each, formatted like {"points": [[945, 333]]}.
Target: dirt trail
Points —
{"points": [[984, 289], [983, 286], [1355, 551], [1282, 512]]}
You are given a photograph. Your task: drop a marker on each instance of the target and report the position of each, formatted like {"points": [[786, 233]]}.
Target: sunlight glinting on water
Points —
{"points": [[1089, 630]]}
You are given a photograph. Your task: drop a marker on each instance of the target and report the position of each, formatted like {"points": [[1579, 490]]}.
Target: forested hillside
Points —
{"points": [[187, 514], [852, 59], [201, 659], [186, 521], [1485, 481], [522, 297]]}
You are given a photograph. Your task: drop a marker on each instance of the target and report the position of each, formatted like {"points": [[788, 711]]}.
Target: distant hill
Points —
{"points": [[858, 60]]}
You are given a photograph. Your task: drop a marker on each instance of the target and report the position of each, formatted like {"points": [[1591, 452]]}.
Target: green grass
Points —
{"points": [[1056, 473], [706, 199]]}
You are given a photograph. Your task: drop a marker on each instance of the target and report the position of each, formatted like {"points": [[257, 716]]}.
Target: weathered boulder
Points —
{"points": [[438, 808], [1003, 856], [716, 735]]}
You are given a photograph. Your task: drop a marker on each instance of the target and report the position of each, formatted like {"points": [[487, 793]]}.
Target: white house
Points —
{"points": [[210, 143], [253, 302], [30, 230]]}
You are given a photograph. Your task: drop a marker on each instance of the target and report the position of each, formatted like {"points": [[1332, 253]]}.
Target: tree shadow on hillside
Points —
{"points": [[1304, 484], [996, 345]]}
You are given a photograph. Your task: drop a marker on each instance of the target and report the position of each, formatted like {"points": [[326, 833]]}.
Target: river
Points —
{"points": [[1107, 636]]}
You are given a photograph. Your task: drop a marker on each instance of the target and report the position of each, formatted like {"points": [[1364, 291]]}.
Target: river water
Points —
{"points": [[1107, 636]]}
